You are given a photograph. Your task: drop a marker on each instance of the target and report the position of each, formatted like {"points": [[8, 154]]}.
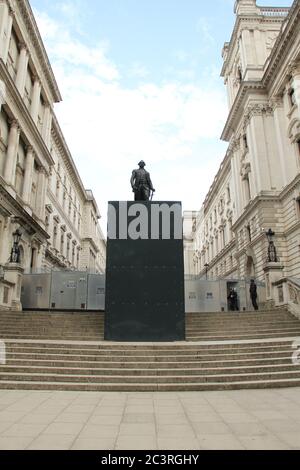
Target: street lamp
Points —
{"points": [[15, 252], [272, 253], [206, 269]]}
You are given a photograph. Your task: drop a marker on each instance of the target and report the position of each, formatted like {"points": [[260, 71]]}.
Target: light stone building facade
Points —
{"points": [[258, 184], [40, 189]]}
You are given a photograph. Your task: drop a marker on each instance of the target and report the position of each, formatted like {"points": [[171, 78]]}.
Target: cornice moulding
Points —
{"points": [[25, 12], [224, 169], [13, 101], [62, 216], [238, 106], [15, 208], [65, 153], [257, 22], [278, 54]]}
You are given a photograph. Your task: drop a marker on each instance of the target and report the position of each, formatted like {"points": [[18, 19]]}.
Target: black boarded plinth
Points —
{"points": [[144, 283]]}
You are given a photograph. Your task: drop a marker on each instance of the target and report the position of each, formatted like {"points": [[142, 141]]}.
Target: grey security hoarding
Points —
{"points": [[60, 290]]}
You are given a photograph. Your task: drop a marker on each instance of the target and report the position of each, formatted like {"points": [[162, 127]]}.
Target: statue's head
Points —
{"points": [[142, 164]]}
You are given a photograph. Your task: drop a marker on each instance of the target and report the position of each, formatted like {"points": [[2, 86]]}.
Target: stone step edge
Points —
{"points": [[18, 362], [191, 340], [265, 384], [199, 329], [283, 340], [101, 353], [177, 377], [177, 371], [194, 334]]}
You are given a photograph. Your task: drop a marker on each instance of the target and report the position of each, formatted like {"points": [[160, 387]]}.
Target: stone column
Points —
{"points": [[10, 164], [281, 140], [259, 148], [29, 163], [259, 47], [42, 185], [296, 83], [236, 178], [22, 69], [6, 21], [247, 51], [5, 240], [46, 132], [35, 100], [242, 54], [3, 21], [7, 37]]}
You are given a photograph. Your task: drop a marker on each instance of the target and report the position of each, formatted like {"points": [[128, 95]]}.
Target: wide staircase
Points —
{"points": [[66, 351]]}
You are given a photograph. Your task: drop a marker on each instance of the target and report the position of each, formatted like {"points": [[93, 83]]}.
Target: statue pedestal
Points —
{"points": [[145, 272], [273, 273], [13, 273]]}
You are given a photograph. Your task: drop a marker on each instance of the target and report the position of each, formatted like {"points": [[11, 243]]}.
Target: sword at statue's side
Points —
{"points": [[152, 194]]}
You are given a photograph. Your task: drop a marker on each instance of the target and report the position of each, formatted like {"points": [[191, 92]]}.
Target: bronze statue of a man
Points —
{"points": [[141, 183]]}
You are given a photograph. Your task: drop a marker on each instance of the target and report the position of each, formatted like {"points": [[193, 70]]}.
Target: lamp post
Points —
{"points": [[206, 269], [15, 252], [272, 253]]}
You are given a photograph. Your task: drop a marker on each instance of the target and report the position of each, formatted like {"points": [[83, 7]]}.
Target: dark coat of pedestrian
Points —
{"points": [[233, 300], [253, 294]]}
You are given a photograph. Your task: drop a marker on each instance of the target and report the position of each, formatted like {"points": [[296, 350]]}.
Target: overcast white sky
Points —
{"points": [[140, 79]]}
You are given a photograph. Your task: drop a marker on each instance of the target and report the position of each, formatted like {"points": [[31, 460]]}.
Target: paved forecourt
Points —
{"points": [[247, 419]]}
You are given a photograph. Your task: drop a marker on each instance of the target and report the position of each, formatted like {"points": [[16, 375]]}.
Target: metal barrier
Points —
{"points": [[212, 296], [60, 290]]}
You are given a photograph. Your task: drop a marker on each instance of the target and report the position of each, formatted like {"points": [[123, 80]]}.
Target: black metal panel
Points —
{"points": [[144, 289]]}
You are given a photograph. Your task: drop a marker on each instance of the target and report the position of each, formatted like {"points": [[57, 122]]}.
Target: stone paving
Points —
{"points": [[256, 419]]}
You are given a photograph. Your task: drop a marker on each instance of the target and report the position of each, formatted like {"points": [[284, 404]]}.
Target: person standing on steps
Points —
{"points": [[253, 294], [233, 300], [236, 300]]}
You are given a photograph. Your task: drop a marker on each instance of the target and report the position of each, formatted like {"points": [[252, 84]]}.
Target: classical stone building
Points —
{"points": [[40, 189], [258, 184]]}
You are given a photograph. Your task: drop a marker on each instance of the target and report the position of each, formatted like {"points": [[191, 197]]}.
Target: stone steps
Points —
{"points": [[142, 368], [222, 352]]}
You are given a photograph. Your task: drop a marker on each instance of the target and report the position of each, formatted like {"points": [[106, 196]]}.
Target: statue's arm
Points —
{"points": [[132, 180]]}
